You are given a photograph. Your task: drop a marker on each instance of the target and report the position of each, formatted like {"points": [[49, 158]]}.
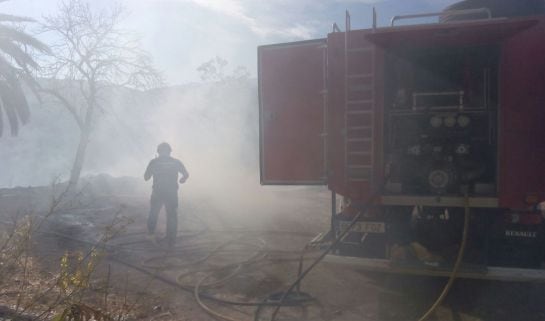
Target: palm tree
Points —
{"points": [[16, 67]]}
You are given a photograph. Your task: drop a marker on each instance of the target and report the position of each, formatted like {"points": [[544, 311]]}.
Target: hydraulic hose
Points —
{"points": [[163, 279], [439, 299], [285, 298], [319, 259], [197, 294], [191, 289], [456, 267]]}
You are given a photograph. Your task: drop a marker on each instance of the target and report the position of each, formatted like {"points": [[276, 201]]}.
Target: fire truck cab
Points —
{"points": [[415, 123]]}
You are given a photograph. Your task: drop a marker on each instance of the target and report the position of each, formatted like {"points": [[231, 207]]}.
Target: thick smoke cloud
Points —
{"points": [[212, 127]]}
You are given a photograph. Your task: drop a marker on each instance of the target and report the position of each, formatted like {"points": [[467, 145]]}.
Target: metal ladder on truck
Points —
{"points": [[359, 108]]}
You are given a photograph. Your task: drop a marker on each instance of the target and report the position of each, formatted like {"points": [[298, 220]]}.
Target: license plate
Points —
{"points": [[364, 227]]}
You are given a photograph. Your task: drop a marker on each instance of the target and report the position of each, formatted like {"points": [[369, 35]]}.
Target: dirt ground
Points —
{"points": [[243, 254]]}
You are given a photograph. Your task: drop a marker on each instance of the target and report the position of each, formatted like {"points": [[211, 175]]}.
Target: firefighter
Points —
{"points": [[164, 170]]}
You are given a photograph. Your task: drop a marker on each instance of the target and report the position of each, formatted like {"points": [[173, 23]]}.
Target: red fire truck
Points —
{"points": [[413, 125]]}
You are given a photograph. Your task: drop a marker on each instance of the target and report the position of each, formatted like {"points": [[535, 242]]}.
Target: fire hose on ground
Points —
{"points": [[276, 300], [436, 303], [233, 269], [456, 266]]}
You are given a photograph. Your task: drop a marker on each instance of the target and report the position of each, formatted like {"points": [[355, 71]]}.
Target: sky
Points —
{"points": [[181, 35]]}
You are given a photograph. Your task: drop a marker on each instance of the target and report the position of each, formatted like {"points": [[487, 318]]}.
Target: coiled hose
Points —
{"points": [[280, 299]]}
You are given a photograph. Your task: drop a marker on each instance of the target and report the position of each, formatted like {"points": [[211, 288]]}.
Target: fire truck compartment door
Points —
{"points": [[450, 34], [292, 106]]}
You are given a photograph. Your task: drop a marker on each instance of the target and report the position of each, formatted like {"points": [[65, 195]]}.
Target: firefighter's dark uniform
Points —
{"points": [[164, 170]]}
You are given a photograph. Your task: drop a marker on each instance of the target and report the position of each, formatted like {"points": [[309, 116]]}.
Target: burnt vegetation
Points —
{"points": [[76, 249]]}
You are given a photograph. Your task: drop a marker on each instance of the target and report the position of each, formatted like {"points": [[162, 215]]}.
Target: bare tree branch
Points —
{"points": [[91, 52], [66, 104]]}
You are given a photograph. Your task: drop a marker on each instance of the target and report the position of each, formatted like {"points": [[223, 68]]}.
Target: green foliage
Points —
{"points": [[16, 67], [76, 270]]}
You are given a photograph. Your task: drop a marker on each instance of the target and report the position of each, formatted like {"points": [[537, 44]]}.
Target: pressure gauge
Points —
{"points": [[462, 149], [414, 150], [450, 121], [436, 121], [438, 179], [463, 121]]}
